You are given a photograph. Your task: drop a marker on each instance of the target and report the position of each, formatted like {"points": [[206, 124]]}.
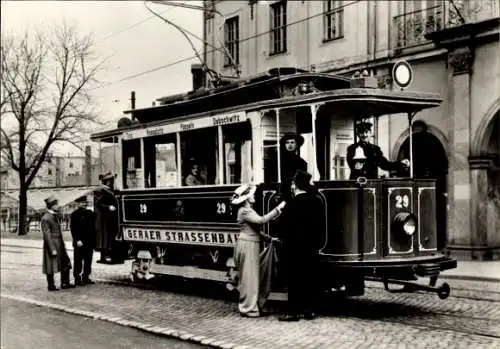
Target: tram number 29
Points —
{"points": [[402, 201], [221, 208]]}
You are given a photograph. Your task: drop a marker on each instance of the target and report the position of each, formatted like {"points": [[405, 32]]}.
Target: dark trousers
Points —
{"points": [[82, 257], [302, 286], [64, 278]]}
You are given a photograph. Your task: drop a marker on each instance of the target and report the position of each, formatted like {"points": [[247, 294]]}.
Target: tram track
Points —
{"points": [[398, 310]]}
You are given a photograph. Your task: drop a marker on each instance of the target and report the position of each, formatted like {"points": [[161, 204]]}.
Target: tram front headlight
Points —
{"points": [[406, 223]]}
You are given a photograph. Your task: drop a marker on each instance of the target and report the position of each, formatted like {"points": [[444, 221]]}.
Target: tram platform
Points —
{"points": [[466, 270]]}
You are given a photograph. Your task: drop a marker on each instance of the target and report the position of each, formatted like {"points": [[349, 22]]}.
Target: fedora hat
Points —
{"points": [[290, 135], [242, 193], [106, 177], [50, 201]]}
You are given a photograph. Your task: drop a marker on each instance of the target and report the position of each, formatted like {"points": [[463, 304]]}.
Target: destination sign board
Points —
{"points": [[202, 238], [209, 121]]}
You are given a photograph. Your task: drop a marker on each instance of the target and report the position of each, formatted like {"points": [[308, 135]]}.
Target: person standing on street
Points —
{"points": [[300, 246], [252, 284], [55, 256], [82, 223]]}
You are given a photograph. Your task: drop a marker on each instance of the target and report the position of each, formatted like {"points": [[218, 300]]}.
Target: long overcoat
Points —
{"points": [[106, 219], [53, 241]]}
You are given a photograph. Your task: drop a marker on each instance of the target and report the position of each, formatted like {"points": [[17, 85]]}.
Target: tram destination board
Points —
{"points": [[202, 238]]}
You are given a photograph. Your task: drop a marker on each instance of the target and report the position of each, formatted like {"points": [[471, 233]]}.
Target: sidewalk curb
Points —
{"points": [[30, 247], [149, 328]]}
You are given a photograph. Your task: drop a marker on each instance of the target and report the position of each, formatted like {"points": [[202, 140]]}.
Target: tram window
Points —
{"points": [[237, 153], [199, 154], [160, 161], [131, 160]]}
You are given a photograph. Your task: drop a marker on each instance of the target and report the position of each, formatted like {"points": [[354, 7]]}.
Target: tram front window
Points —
{"points": [[131, 163]]}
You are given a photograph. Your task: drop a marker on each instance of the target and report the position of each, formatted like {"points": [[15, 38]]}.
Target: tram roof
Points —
{"points": [[356, 103], [272, 84]]}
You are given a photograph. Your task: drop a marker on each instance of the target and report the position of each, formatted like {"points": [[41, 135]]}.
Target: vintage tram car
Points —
{"points": [[381, 229]]}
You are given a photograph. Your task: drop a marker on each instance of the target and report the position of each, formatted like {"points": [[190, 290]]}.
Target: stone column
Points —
{"points": [[479, 167], [459, 214]]}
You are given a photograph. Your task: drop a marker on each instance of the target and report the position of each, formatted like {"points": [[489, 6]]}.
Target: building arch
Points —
{"points": [[485, 129], [433, 130]]}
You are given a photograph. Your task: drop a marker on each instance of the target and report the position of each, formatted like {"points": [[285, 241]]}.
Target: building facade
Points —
{"points": [[453, 47]]}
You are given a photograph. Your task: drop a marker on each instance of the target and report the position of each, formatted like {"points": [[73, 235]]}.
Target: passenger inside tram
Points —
{"points": [[195, 177]]}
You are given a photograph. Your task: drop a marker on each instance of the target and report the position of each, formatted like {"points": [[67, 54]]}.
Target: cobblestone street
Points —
{"points": [[469, 318]]}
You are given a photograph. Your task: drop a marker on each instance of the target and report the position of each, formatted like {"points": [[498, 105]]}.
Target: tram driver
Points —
{"points": [[365, 158]]}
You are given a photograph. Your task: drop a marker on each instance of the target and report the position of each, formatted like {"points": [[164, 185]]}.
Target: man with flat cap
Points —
{"points": [[82, 223], [291, 161], [365, 158], [55, 256], [106, 210]]}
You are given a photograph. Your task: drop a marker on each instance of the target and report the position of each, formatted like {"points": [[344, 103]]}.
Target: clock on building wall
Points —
{"points": [[402, 74]]}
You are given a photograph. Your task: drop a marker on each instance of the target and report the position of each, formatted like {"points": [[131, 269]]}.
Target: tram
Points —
{"points": [[381, 229]]}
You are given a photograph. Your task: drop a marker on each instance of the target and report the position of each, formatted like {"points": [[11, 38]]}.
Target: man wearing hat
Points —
{"points": [[300, 245], [106, 210], [82, 223], [55, 256], [365, 158], [291, 161]]}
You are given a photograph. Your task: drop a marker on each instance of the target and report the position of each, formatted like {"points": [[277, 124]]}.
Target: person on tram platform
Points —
{"points": [[106, 211], [290, 162], [365, 158], [300, 244], [195, 177], [253, 278]]}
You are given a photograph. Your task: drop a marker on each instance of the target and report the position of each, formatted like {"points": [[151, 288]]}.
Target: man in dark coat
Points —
{"points": [[290, 162], [55, 256], [300, 245], [365, 158], [106, 210], [82, 223]]}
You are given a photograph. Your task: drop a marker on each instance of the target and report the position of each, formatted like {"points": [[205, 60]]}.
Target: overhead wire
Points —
{"points": [[186, 59]]}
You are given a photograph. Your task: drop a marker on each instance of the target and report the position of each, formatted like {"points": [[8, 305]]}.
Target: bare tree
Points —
{"points": [[46, 78]]}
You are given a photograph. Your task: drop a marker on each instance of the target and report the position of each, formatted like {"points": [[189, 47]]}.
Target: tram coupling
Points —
{"points": [[442, 291]]}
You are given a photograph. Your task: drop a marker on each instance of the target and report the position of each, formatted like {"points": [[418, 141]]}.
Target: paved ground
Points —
{"points": [[469, 318], [28, 326]]}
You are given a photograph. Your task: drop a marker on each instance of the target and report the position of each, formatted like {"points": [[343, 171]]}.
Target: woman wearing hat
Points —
{"points": [[291, 161], [246, 253]]}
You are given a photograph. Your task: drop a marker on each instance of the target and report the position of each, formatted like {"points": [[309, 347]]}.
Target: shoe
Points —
{"points": [[88, 282], [52, 288], [66, 286], [288, 318], [309, 315], [79, 283]]}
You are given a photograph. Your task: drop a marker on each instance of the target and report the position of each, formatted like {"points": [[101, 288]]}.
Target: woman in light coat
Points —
{"points": [[252, 288]]}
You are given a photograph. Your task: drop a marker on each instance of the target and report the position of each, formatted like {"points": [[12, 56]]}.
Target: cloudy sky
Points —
{"points": [[137, 41]]}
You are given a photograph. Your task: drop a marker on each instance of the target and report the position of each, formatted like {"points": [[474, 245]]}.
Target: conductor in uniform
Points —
{"points": [[365, 158], [82, 223], [106, 209]]}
